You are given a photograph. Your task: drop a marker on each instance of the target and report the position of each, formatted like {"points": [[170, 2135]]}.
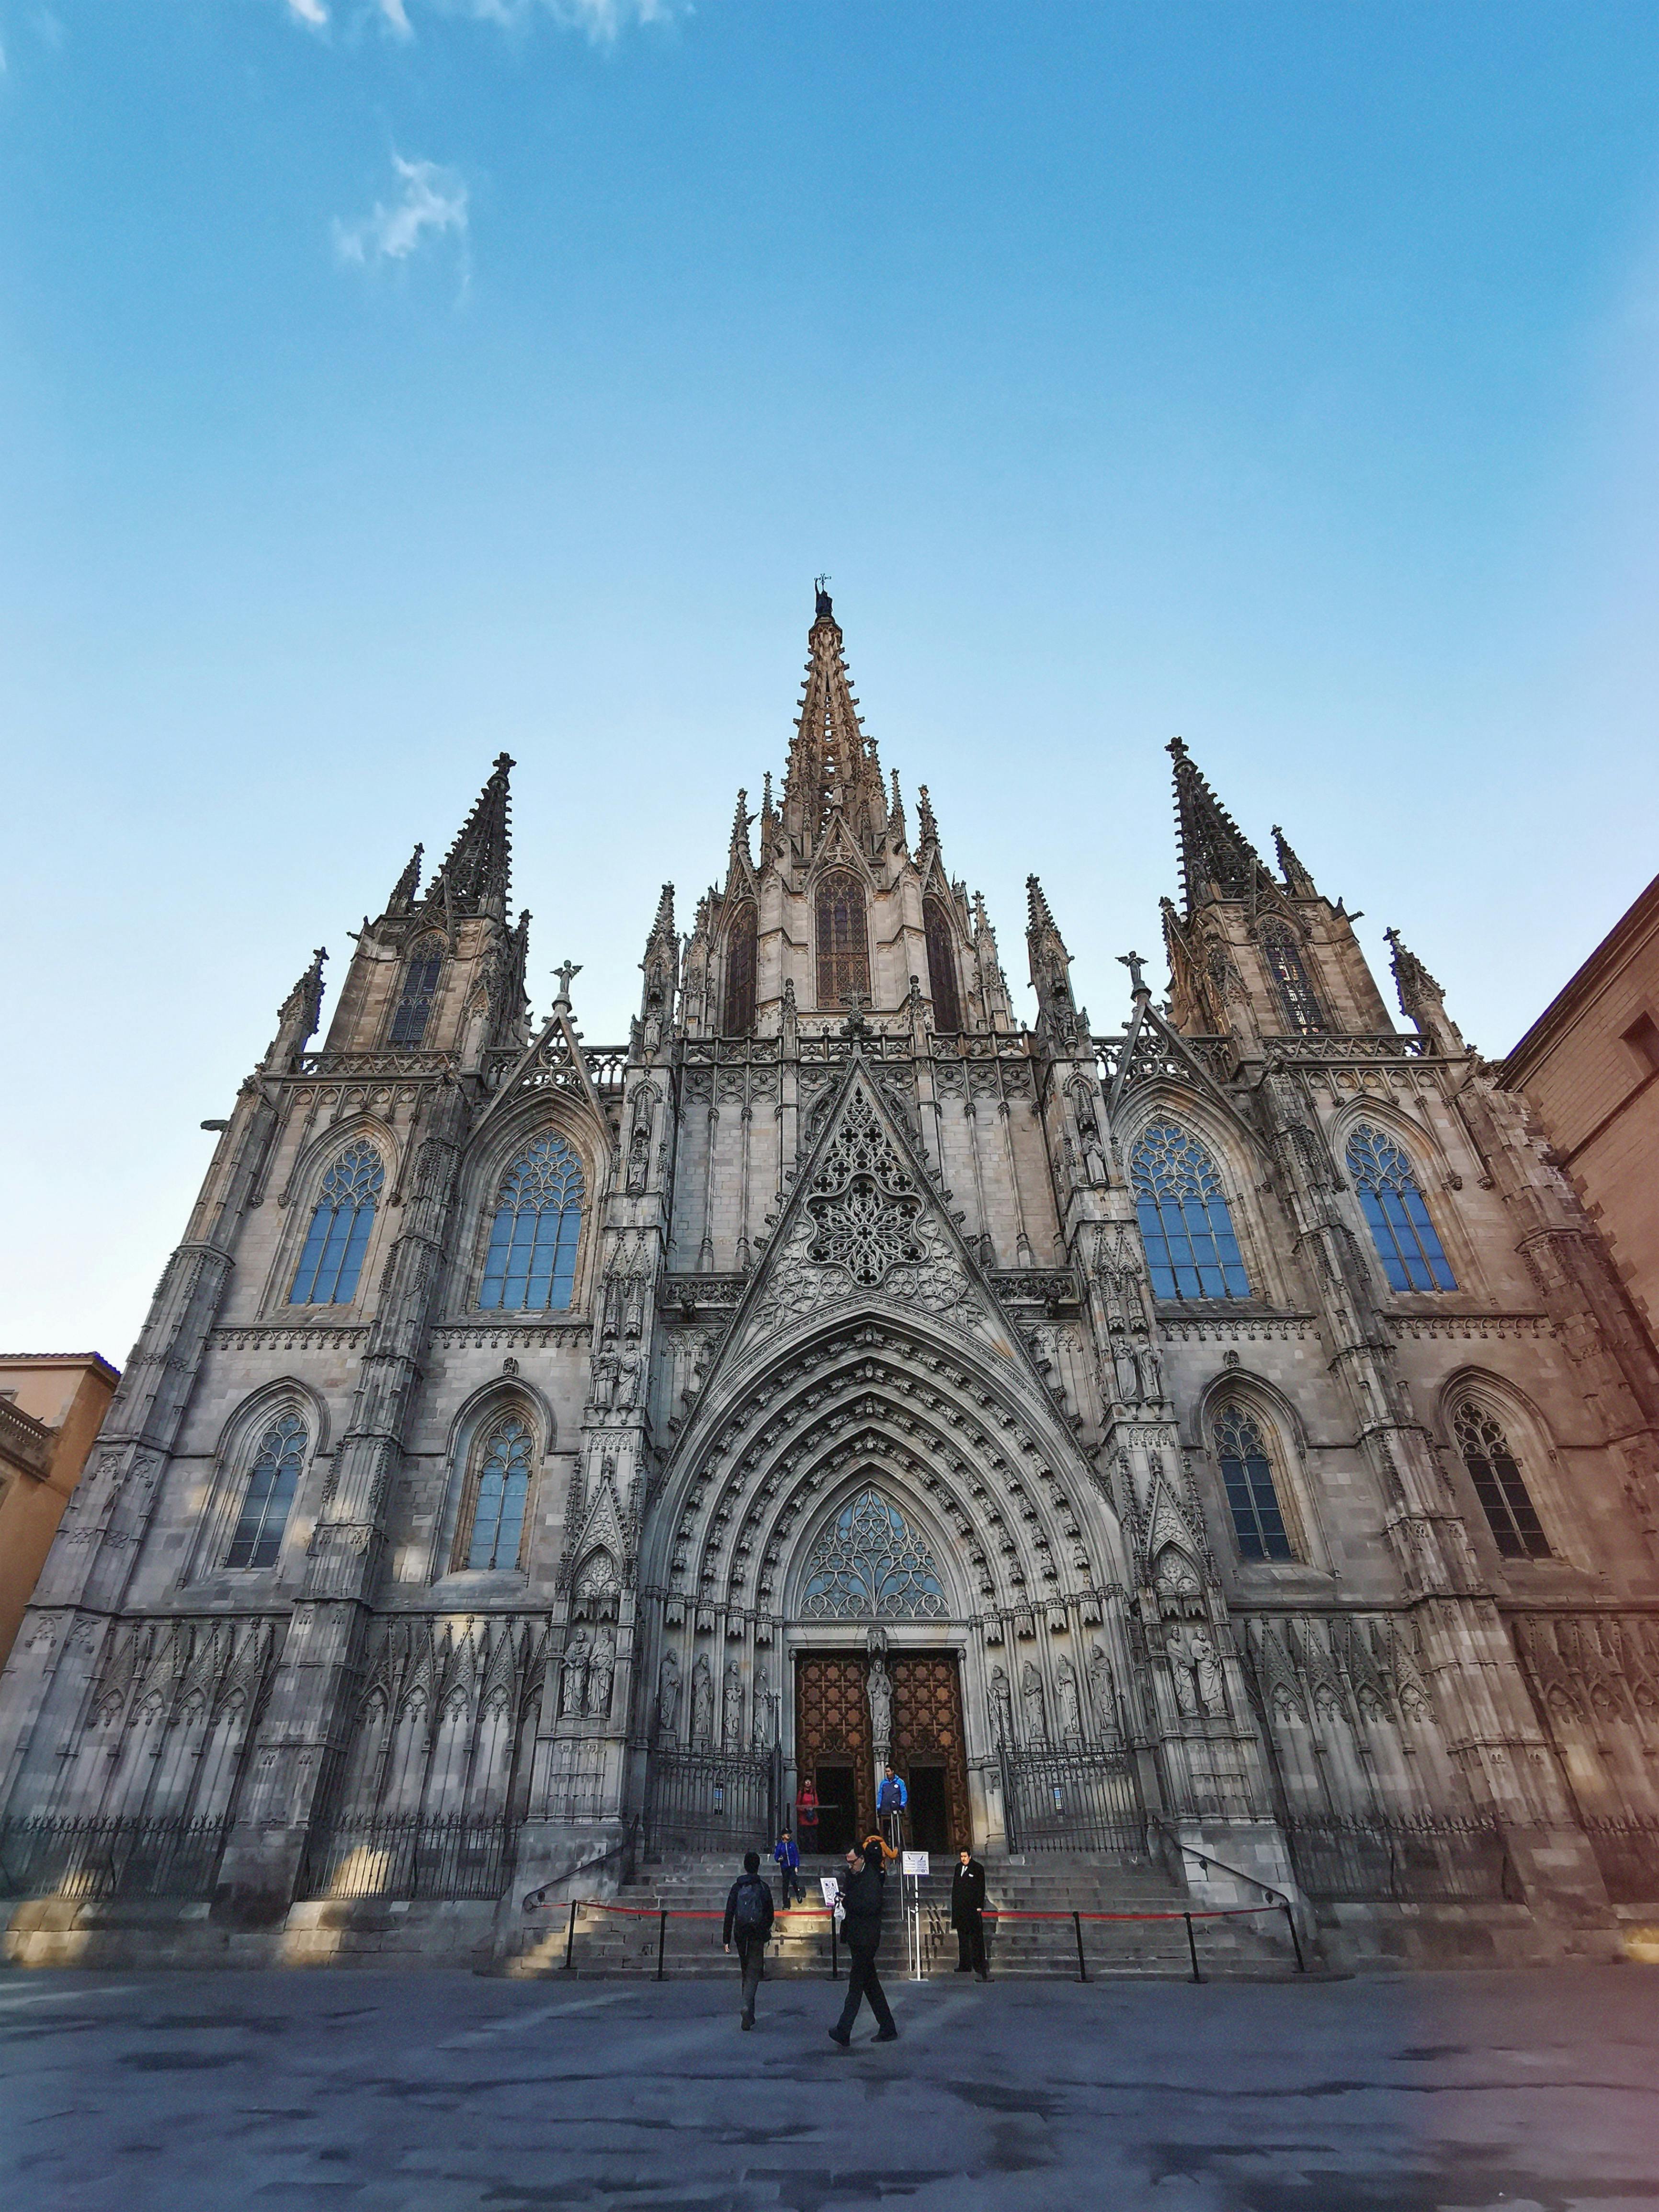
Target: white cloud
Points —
{"points": [[432, 204], [309, 11], [397, 18], [604, 20]]}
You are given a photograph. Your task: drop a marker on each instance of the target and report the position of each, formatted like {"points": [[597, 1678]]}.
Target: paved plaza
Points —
{"points": [[371, 2091]]}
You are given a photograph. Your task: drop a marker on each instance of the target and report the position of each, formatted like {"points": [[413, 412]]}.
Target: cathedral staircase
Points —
{"points": [[630, 1939]]}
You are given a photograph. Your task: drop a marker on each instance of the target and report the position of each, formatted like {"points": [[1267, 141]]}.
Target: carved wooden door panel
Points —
{"points": [[832, 1744], [928, 1748]]}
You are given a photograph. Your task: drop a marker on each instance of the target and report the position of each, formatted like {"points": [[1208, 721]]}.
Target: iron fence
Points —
{"points": [[1349, 1859], [1627, 1851], [705, 1801], [111, 1858], [450, 1856], [1060, 1800]]}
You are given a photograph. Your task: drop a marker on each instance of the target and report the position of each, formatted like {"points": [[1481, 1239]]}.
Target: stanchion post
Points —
{"points": [[662, 1939], [1076, 1929], [1295, 1941], [570, 1936], [1192, 1946], [835, 1963]]}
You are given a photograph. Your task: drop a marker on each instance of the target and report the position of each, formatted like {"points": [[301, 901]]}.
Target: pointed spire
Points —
{"points": [[1422, 1000], [740, 822], [1057, 1011], [832, 764], [925, 816], [474, 878], [661, 970], [769, 819], [895, 829], [298, 1015], [403, 890], [1297, 881], [1217, 861]]}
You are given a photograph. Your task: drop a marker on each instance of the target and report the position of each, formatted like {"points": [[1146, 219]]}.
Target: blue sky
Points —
{"points": [[387, 385]]}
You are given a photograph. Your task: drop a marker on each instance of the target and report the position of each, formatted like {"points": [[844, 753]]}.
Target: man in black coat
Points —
{"points": [[968, 1915], [748, 1917], [863, 1892]]}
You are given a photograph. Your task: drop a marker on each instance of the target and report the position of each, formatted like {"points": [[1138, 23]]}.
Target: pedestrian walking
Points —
{"points": [[789, 1858], [891, 1798], [749, 1918], [806, 1816], [968, 1914], [863, 1891]]}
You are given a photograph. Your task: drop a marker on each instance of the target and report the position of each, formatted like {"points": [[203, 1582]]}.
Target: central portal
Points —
{"points": [[836, 1748]]}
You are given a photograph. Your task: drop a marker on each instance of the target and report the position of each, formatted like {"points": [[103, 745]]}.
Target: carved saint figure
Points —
{"points": [[1207, 1674], [1179, 1650], [733, 1703], [639, 1158], [1102, 1692], [601, 1671], [668, 1698], [881, 1704], [1031, 1699], [702, 1701], [573, 1674], [1071, 1706], [1002, 1708], [763, 1711], [605, 1381]]}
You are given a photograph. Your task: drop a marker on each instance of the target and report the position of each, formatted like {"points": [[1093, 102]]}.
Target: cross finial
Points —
{"points": [[855, 1025], [1135, 963], [564, 971]]}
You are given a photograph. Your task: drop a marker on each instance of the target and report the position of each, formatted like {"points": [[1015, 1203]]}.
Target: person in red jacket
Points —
{"points": [[806, 1816]]}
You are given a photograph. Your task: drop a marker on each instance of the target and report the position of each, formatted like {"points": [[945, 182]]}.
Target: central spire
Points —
{"points": [[834, 768]]}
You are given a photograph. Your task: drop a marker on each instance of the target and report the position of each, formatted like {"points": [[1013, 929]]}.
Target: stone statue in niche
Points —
{"points": [[733, 1703], [668, 1698], [1208, 1676], [1103, 1693], [1002, 1708], [763, 1711], [702, 1702], [1031, 1698], [639, 1158], [1070, 1706], [573, 1674], [601, 1671], [880, 1689]]}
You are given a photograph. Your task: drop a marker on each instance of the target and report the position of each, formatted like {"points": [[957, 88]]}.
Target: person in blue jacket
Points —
{"points": [[788, 1859], [891, 1799]]}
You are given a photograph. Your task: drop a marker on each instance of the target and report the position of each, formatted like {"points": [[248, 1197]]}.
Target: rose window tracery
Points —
{"points": [[863, 1204]]}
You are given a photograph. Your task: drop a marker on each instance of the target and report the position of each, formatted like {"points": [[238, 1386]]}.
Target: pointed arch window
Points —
{"points": [[1247, 1474], [843, 938], [942, 967], [495, 1533], [332, 1257], [270, 1494], [870, 1565], [530, 1265], [742, 946], [1499, 1484], [1396, 1213], [1185, 1223], [1303, 1015], [420, 988]]}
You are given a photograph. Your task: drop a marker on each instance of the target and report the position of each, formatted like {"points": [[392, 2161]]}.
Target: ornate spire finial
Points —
{"points": [[823, 609], [1297, 881], [564, 971], [403, 890], [1217, 861], [474, 878], [298, 1015], [1138, 984], [925, 816]]}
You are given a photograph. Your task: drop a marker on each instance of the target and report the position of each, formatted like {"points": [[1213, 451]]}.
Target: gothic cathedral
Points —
{"points": [[1221, 1441]]}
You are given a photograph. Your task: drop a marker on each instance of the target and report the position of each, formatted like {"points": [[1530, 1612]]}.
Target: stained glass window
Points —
{"points": [[843, 938], [942, 967], [270, 1494], [498, 1504], [1396, 1214], [1516, 1527], [421, 973], [1185, 1224], [1303, 1016], [334, 1243], [531, 1266], [740, 951], [1247, 1472], [869, 1563]]}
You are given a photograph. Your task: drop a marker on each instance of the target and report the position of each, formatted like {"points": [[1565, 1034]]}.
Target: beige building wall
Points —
{"points": [[1590, 1065], [51, 1406]]}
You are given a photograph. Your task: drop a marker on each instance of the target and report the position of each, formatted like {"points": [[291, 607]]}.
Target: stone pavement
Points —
{"points": [[371, 2091]]}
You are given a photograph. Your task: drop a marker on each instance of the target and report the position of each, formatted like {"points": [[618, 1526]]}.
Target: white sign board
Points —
{"points": [[915, 1862], [831, 1889]]}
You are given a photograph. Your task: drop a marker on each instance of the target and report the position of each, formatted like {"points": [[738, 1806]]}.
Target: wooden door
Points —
{"points": [[832, 1733], [928, 1748]]}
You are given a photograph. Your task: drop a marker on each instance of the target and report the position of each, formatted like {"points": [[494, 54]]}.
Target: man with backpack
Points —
{"points": [[862, 1895], [749, 1918]]}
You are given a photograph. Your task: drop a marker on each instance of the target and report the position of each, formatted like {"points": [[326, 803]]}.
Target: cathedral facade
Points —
{"points": [[1222, 1438]]}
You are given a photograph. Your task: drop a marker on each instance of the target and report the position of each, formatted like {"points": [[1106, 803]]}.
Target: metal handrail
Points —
{"points": [[1239, 1874], [533, 1899]]}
